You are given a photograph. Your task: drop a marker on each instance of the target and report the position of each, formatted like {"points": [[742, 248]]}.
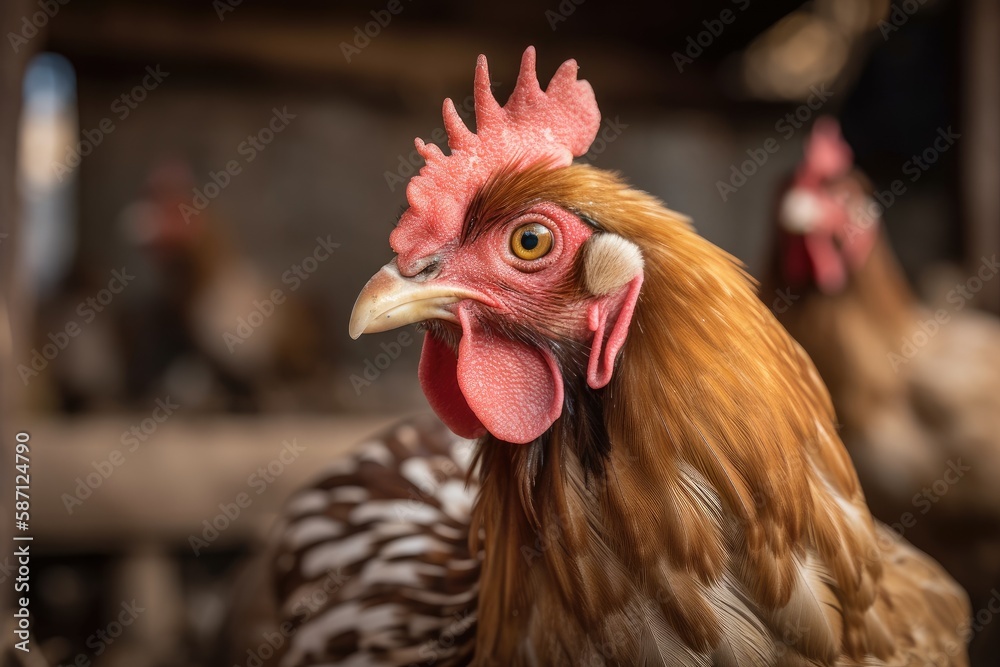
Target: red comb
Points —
{"points": [[557, 125], [827, 155]]}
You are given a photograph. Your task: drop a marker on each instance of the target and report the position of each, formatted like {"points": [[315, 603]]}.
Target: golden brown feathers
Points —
{"points": [[728, 514]]}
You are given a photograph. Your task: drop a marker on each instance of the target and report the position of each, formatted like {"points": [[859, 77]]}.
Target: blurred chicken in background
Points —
{"points": [[916, 388], [184, 339], [81, 344]]}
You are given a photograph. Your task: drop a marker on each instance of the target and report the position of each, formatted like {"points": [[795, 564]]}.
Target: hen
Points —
{"points": [[206, 324], [657, 477], [916, 389]]}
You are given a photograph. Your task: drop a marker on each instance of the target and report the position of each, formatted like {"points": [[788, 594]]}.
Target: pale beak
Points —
{"points": [[391, 300]]}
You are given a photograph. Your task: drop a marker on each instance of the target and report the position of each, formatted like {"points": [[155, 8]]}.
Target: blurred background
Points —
{"points": [[192, 194]]}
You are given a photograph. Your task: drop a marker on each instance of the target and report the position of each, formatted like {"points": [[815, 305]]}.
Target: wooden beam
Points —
{"points": [[421, 63], [163, 491], [981, 148]]}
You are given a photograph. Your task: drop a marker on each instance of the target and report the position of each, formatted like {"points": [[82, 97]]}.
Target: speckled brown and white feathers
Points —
{"points": [[372, 563]]}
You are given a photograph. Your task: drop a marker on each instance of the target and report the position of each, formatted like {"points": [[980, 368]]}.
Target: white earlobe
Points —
{"points": [[610, 262]]}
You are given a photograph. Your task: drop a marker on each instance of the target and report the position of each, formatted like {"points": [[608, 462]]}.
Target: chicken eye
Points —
{"points": [[531, 241]]}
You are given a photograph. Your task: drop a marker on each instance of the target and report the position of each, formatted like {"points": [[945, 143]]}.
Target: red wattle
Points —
{"points": [[514, 389], [438, 373], [828, 265], [797, 265]]}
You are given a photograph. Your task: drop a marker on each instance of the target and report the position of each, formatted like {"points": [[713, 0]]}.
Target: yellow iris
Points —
{"points": [[531, 241]]}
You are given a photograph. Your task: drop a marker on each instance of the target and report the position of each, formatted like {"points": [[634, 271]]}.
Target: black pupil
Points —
{"points": [[529, 240]]}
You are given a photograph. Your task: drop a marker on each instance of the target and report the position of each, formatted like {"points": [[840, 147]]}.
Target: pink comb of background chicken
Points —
{"points": [[827, 155], [558, 125]]}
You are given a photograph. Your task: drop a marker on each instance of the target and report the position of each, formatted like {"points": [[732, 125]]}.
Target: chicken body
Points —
{"points": [[677, 498], [916, 389], [917, 396], [373, 564], [918, 405], [371, 568]]}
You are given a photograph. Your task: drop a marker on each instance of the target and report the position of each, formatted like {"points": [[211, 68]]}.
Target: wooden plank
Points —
{"points": [[124, 491]]}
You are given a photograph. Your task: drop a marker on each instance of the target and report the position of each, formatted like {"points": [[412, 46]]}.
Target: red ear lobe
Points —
{"points": [[603, 353]]}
